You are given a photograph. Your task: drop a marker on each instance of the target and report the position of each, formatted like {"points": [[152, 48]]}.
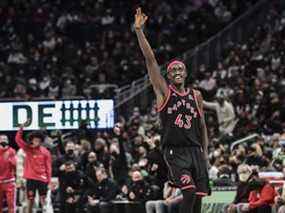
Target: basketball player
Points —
{"points": [[7, 175], [184, 139], [37, 166]]}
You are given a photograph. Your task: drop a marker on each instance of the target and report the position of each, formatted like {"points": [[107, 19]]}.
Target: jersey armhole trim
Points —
{"points": [[196, 101], [162, 106]]}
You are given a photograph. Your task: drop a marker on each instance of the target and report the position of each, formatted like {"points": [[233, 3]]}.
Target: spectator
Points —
{"points": [[92, 165], [105, 190], [118, 163], [261, 197], [71, 183], [139, 189], [172, 197], [242, 195], [69, 155], [225, 113]]}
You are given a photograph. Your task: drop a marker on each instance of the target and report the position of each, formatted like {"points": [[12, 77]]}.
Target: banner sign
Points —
{"points": [[65, 114]]}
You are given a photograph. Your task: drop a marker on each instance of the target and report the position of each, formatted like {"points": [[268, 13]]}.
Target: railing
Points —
{"points": [[208, 53], [243, 140]]}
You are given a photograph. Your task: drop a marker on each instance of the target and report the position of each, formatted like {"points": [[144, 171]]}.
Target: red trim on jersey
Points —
{"points": [[188, 187], [196, 101], [161, 107], [179, 93], [201, 194]]}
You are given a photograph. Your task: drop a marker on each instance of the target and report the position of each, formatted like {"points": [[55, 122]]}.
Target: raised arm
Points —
{"points": [[158, 82], [19, 139], [19, 136]]}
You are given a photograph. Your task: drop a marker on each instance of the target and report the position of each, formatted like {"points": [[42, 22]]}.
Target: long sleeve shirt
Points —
{"points": [[7, 164], [37, 164], [265, 197]]}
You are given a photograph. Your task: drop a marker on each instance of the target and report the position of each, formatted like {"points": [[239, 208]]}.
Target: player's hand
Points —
{"points": [[140, 19], [27, 123]]}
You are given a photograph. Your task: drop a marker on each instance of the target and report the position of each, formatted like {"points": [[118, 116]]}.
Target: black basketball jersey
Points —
{"points": [[180, 119]]}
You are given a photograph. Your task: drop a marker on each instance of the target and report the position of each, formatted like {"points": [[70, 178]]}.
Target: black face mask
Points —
{"points": [[70, 152], [4, 144]]}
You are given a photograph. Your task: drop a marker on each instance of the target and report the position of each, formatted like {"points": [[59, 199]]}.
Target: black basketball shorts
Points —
{"points": [[187, 168], [33, 186]]}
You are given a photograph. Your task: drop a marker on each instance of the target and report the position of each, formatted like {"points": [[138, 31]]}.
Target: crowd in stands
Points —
{"points": [[67, 48]]}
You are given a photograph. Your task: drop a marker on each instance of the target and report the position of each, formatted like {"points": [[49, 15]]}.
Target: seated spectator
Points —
{"points": [[71, 182], [242, 195], [102, 193], [172, 197], [224, 177], [261, 197], [138, 189]]}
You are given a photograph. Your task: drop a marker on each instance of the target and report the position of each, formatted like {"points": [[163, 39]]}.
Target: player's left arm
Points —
{"points": [[204, 132]]}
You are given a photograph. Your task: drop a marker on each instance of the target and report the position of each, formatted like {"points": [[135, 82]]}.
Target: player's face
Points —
{"points": [[36, 142], [177, 74]]}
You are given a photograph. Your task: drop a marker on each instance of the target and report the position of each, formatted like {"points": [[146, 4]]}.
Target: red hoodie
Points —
{"points": [[266, 196], [37, 164], [7, 164]]}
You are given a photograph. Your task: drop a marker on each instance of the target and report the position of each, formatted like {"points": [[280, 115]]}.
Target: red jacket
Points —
{"points": [[37, 164], [266, 196], [7, 164]]}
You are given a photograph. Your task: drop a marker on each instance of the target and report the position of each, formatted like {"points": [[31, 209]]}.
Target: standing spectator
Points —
{"points": [[69, 155], [102, 193], [118, 163], [225, 114], [7, 174], [37, 167], [208, 85], [92, 165], [21, 182]]}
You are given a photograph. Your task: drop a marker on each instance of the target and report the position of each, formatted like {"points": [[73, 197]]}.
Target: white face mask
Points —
{"points": [[244, 177]]}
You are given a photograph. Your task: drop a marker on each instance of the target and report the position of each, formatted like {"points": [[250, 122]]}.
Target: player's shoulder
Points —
{"points": [[45, 150]]}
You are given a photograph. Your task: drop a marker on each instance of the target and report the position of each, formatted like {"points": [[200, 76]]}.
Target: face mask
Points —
{"points": [[243, 177], [70, 152], [4, 144]]}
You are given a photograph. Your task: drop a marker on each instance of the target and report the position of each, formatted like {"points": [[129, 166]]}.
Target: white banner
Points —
{"points": [[65, 114]]}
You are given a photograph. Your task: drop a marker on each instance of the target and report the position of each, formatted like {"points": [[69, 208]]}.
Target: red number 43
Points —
{"points": [[179, 121]]}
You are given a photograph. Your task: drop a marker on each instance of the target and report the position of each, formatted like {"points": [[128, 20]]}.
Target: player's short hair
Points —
{"points": [[36, 134]]}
